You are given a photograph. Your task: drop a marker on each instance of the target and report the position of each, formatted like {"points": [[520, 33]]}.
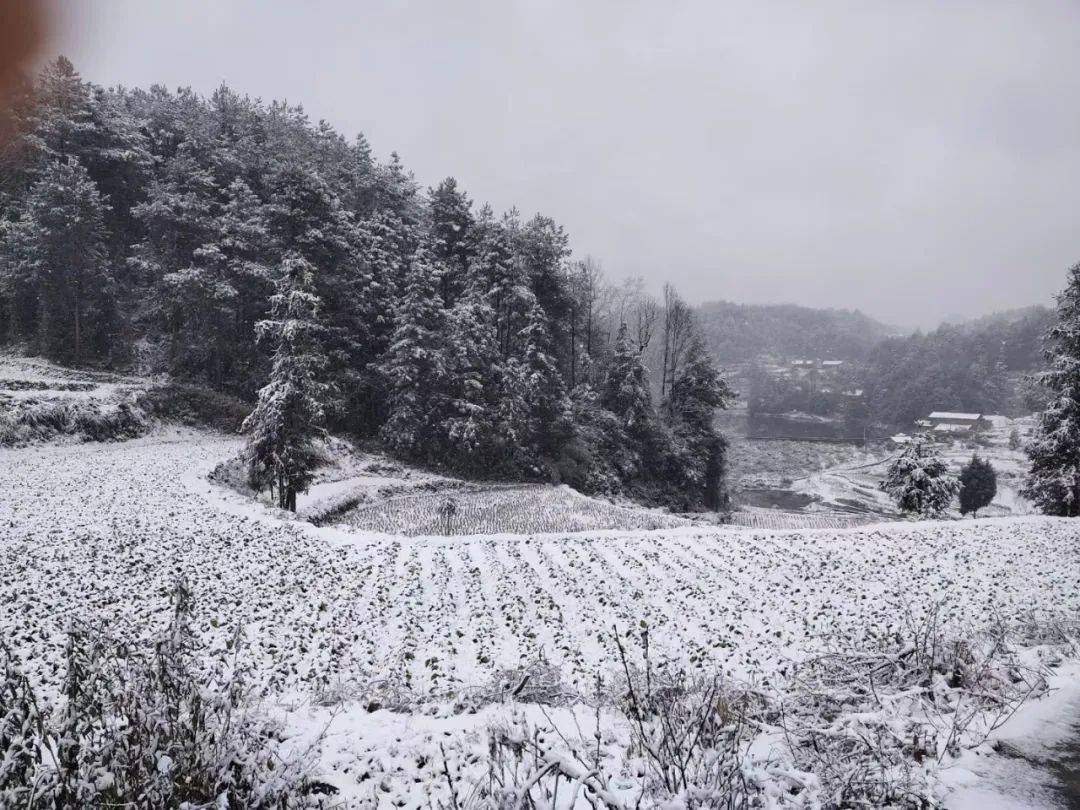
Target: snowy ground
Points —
{"points": [[1021, 766], [102, 531]]}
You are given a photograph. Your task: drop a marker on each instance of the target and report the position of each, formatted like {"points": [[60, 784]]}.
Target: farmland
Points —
{"points": [[100, 533]]}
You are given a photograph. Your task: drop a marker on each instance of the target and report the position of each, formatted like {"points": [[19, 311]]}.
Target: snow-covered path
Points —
{"points": [[100, 532]]}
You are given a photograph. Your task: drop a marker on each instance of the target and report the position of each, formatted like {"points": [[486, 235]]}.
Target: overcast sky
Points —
{"points": [[913, 160]]}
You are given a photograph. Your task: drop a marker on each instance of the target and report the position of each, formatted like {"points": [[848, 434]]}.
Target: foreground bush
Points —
{"points": [[147, 728], [864, 728]]}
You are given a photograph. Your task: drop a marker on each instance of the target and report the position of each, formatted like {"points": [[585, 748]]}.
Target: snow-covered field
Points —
{"points": [[101, 531]]}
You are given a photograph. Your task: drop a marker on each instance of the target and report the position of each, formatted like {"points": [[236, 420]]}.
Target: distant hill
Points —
{"points": [[740, 333], [1035, 313]]}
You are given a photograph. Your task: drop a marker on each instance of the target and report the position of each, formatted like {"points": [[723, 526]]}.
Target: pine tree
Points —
{"points": [[697, 393], [451, 222], [373, 294], [58, 248], [978, 485], [626, 387], [919, 481], [543, 248], [1053, 482], [289, 415], [475, 372], [494, 267], [700, 390], [62, 123], [534, 410], [415, 365]]}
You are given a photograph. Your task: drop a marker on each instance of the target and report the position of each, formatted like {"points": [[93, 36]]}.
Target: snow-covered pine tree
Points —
{"points": [[543, 248], [415, 364], [978, 485], [697, 393], [919, 482], [545, 393], [373, 294], [494, 265], [247, 264], [625, 391], [62, 117], [1053, 481], [58, 248], [451, 221], [475, 370], [289, 415]]}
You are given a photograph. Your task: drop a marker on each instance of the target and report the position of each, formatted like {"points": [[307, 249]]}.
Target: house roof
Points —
{"points": [[951, 428], [967, 417], [832, 362]]}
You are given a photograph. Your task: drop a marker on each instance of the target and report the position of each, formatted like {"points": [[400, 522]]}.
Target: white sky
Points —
{"points": [[911, 159]]}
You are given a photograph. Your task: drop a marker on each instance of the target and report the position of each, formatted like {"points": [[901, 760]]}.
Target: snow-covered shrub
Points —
{"points": [[12, 433], [873, 725], [691, 735], [21, 734], [689, 746], [151, 728]]}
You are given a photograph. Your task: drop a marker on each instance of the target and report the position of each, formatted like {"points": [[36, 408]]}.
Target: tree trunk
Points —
{"points": [[78, 328]]}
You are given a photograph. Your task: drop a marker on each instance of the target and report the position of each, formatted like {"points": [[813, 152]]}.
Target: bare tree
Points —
{"points": [[586, 283], [678, 329]]}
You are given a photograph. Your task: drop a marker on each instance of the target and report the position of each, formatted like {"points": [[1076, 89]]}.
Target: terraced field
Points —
{"points": [[503, 510]]}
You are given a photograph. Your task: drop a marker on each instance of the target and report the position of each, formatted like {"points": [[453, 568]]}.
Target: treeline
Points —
{"points": [[150, 229]]}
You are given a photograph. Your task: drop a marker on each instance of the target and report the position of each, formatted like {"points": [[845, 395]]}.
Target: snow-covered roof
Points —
{"points": [[951, 428], [970, 417], [900, 438], [832, 362]]}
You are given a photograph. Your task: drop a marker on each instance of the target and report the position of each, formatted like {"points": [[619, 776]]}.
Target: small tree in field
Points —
{"points": [[919, 481], [978, 485], [1014, 439], [289, 415]]}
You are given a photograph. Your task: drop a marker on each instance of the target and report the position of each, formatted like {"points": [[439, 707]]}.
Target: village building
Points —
{"points": [[947, 423]]}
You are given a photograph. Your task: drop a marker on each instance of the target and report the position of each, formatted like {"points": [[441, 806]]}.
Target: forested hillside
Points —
{"points": [[151, 230], [740, 333], [978, 366]]}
